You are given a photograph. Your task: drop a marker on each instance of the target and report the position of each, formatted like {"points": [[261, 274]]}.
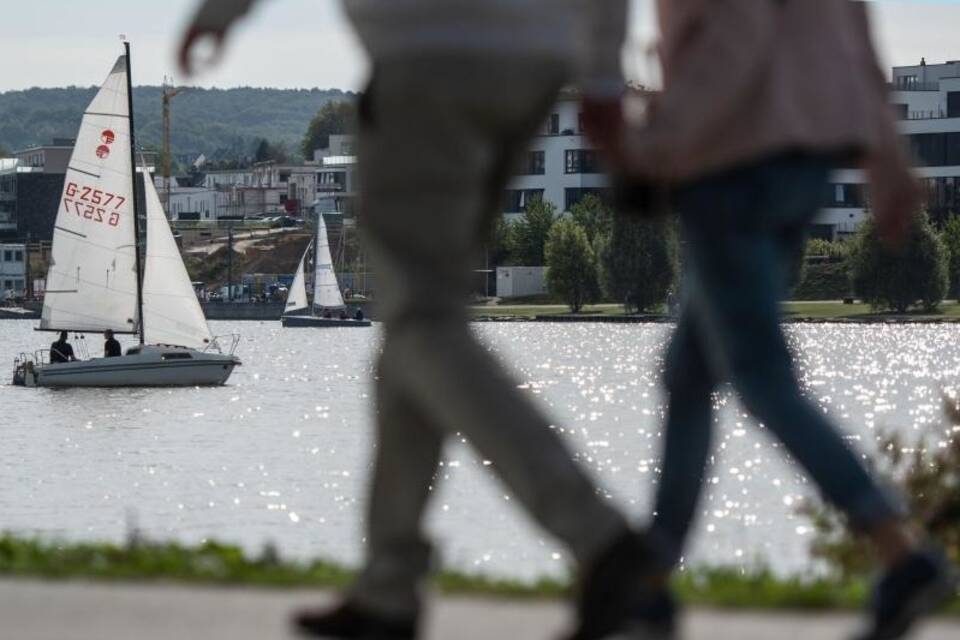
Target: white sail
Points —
{"points": [[92, 280], [326, 289], [297, 296], [171, 312]]}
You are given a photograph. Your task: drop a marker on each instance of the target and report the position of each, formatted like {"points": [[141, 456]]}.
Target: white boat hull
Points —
{"points": [[150, 366]]}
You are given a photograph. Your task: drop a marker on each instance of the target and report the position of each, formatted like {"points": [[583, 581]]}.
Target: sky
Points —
{"points": [[307, 43]]}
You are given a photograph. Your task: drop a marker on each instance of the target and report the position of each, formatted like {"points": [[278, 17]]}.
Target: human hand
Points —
{"points": [[213, 21]]}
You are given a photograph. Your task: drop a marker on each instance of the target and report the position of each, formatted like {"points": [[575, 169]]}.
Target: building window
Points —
{"points": [[553, 127], [953, 104], [843, 196], [942, 197], [8, 256], [18, 256], [936, 149], [517, 200], [534, 164], [580, 128], [581, 161]]}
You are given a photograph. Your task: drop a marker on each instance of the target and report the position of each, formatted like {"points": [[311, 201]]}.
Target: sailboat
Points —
{"points": [[328, 309], [94, 282]]}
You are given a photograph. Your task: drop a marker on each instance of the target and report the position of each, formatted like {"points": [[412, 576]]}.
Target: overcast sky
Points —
{"points": [[307, 43]]}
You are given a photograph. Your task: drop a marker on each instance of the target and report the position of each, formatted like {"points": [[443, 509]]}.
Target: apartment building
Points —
{"points": [[13, 269], [926, 99]]}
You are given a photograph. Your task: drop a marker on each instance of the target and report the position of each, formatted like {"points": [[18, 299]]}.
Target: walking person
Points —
{"points": [[762, 100], [458, 89]]}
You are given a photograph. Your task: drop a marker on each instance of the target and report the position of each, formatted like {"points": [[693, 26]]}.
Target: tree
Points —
{"points": [[502, 244], [334, 118], [572, 273], [530, 233], [640, 262], [4, 152], [951, 239], [897, 279], [270, 152], [594, 217]]}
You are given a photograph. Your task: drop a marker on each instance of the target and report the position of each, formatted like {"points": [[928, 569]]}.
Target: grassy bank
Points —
{"points": [[796, 310], [219, 564]]}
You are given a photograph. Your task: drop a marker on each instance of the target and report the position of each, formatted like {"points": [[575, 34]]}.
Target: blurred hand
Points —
{"points": [[605, 125], [212, 22], [896, 199]]}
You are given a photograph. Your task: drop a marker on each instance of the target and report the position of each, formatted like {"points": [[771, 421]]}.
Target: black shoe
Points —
{"points": [[617, 599], [913, 588], [349, 622]]}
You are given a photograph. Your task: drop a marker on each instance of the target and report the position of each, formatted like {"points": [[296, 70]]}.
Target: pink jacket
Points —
{"points": [[744, 79]]}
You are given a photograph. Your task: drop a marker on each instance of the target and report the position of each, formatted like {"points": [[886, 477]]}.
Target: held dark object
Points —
{"points": [[641, 199]]}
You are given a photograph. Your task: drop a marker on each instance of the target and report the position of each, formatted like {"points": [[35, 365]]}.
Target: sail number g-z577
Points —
{"points": [[93, 204]]}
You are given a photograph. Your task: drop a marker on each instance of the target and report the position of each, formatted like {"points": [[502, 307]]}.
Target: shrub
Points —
{"points": [[897, 279], [928, 473], [951, 239], [640, 262], [572, 273]]}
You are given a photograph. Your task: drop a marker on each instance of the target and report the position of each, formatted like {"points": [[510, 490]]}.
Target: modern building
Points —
{"points": [[31, 183], [561, 166], [926, 99], [337, 185], [13, 269]]}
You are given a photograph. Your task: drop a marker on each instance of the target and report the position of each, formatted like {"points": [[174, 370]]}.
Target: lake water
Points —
{"points": [[281, 453]]}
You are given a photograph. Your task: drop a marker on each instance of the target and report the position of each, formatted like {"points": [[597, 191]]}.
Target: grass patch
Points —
{"points": [[221, 564]]}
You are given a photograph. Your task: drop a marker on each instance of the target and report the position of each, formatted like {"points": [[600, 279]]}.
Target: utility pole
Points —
{"points": [[169, 92], [230, 263]]}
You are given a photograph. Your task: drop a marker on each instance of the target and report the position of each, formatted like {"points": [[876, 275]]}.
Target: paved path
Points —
{"points": [[31, 610]]}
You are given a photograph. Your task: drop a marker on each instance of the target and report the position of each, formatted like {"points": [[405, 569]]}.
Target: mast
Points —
{"points": [[316, 248], [136, 207]]}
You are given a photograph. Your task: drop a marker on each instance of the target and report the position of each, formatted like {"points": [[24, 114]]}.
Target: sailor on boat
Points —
{"points": [[61, 351], [111, 346]]}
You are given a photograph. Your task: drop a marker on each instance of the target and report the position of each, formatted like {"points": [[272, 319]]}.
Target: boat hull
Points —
{"points": [[149, 367], [303, 322]]}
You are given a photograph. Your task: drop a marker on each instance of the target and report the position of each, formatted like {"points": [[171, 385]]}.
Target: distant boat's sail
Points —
{"points": [[297, 296], [326, 289], [92, 280], [171, 311]]}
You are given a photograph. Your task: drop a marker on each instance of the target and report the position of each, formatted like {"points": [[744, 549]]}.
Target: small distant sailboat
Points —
{"points": [[327, 298], [94, 282]]}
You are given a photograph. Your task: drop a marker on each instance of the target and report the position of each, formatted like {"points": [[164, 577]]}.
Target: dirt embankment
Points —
{"points": [[277, 254]]}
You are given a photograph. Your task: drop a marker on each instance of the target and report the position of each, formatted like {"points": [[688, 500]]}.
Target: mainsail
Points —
{"points": [[297, 296], [172, 313], [326, 289], [92, 280]]}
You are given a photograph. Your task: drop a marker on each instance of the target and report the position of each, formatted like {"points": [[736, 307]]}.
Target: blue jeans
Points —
{"points": [[744, 230]]}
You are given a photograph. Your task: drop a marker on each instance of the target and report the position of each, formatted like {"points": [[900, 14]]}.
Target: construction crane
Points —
{"points": [[168, 93]]}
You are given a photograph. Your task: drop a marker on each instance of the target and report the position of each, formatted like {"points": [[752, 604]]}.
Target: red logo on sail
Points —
{"points": [[108, 136], [103, 151]]}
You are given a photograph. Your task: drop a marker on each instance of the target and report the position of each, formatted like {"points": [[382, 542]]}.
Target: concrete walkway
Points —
{"points": [[31, 610]]}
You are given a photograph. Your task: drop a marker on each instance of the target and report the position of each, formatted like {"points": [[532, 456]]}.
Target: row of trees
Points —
{"points": [[592, 255]]}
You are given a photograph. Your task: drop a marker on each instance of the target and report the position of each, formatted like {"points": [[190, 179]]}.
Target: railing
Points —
{"points": [[215, 345]]}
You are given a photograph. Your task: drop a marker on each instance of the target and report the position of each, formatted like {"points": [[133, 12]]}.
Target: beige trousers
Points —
{"points": [[440, 136]]}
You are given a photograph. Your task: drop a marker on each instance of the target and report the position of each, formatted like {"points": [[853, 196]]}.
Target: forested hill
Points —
{"points": [[223, 124]]}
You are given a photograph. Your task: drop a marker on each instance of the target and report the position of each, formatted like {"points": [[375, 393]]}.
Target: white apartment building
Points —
{"points": [[561, 165], [13, 269], [927, 102]]}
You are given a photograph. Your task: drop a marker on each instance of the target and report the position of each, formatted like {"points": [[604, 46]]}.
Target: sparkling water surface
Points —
{"points": [[281, 454]]}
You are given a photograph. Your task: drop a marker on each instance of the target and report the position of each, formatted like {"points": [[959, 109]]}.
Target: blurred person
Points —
{"points": [[111, 346], [761, 101], [458, 89]]}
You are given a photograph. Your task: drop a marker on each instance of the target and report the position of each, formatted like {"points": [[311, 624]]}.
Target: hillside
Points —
{"points": [[223, 124]]}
